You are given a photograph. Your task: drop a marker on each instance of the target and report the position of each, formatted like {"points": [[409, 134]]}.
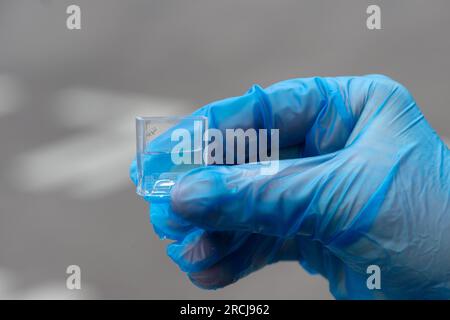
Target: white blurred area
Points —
{"points": [[92, 162], [10, 288], [68, 100]]}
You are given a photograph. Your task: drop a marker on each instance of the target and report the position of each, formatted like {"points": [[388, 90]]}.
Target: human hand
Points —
{"points": [[368, 185]]}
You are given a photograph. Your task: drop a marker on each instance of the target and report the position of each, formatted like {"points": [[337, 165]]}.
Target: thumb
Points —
{"points": [[240, 198]]}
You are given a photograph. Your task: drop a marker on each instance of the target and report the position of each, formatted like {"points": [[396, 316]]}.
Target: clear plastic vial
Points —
{"points": [[166, 148]]}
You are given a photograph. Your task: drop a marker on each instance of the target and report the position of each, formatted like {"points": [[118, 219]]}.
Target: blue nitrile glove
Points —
{"points": [[370, 186]]}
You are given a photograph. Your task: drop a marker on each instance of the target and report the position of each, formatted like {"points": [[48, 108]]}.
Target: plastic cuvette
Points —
{"points": [[166, 148]]}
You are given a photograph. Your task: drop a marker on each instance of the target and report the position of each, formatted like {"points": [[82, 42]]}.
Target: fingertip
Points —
{"points": [[201, 249], [187, 254], [212, 279], [256, 252], [202, 284]]}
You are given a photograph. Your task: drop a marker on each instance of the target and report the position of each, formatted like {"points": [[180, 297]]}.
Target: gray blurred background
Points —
{"points": [[68, 101]]}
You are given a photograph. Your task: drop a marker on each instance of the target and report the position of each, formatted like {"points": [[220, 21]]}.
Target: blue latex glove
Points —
{"points": [[369, 185]]}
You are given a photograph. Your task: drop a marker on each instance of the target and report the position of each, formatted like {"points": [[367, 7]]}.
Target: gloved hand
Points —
{"points": [[369, 185]]}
